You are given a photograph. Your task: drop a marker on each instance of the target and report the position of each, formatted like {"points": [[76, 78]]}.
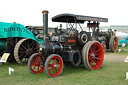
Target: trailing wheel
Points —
{"points": [[93, 55], [53, 65], [103, 44], [36, 63], [24, 49], [113, 44]]}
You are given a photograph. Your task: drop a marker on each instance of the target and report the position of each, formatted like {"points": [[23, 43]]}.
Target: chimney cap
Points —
{"points": [[45, 12]]}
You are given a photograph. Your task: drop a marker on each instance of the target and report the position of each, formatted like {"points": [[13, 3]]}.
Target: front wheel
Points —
{"points": [[54, 65], [36, 63]]}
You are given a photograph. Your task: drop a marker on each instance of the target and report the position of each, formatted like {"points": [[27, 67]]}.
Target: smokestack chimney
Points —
{"points": [[45, 24]]}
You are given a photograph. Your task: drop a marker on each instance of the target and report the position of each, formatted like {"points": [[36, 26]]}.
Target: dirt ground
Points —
{"points": [[117, 57]]}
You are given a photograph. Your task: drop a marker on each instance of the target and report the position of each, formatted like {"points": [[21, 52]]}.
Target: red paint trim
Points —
{"points": [[70, 41]]}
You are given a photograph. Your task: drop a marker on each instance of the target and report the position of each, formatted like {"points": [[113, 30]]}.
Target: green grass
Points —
{"points": [[120, 47], [112, 73], [120, 53]]}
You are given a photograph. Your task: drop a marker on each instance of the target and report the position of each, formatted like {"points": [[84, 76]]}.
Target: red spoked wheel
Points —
{"points": [[54, 65], [93, 55], [36, 63]]}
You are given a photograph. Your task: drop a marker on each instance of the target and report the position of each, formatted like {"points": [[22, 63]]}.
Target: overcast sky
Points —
{"points": [[29, 12]]}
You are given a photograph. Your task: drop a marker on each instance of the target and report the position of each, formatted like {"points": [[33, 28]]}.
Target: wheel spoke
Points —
{"points": [[54, 61], [37, 68], [33, 60], [90, 63], [97, 58], [97, 51], [31, 44], [24, 47], [21, 49], [37, 58], [89, 54], [49, 65], [28, 45], [94, 48], [89, 59], [90, 51], [25, 56], [22, 52], [56, 70], [96, 54], [52, 71], [21, 55], [40, 66], [94, 63], [34, 67]]}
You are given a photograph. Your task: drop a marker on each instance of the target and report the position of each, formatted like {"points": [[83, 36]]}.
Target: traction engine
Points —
{"points": [[107, 39], [67, 46]]}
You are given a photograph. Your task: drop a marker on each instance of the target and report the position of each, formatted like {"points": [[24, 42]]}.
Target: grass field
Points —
{"points": [[112, 73]]}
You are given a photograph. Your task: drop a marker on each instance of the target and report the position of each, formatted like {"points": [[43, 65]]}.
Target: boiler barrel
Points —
{"points": [[51, 47]]}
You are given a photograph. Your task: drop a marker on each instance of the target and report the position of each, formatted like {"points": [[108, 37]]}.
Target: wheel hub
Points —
{"points": [[92, 55], [54, 65], [29, 52]]}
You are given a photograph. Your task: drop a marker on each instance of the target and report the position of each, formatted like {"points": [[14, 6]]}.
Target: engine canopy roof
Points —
{"points": [[72, 18]]}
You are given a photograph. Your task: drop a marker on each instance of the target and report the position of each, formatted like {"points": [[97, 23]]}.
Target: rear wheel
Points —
{"points": [[113, 44], [24, 49], [93, 55], [54, 65]]}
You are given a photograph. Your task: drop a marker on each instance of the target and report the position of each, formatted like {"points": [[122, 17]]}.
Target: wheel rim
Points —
{"points": [[55, 66], [95, 56], [115, 44], [36, 64]]}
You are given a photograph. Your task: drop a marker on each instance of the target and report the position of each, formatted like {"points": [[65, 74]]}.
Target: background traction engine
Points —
{"points": [[107, 39], [18, 41], [68, 46]]}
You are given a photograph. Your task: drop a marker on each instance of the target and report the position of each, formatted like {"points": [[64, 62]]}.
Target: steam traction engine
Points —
{"points": [[68, 46], [107, 39]]}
